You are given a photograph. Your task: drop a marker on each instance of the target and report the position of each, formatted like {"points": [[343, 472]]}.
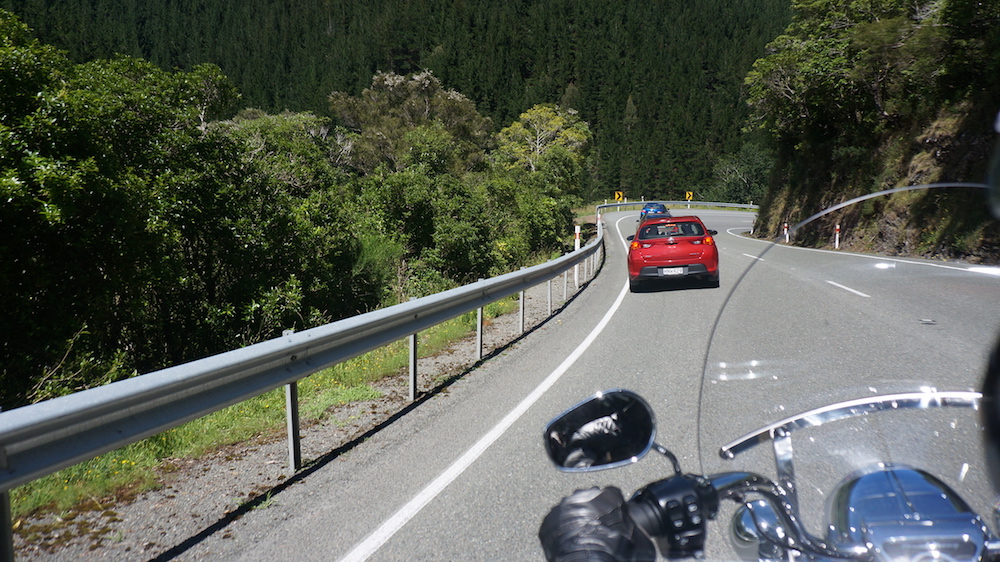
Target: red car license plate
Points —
{"points": [[671, 271]]}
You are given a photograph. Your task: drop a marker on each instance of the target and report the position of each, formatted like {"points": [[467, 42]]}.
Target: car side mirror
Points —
{"points": [[713, 232], [631, 237], [610, 429]]}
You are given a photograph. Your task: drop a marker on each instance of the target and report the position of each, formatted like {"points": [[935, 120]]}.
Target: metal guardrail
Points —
{"points": [[42, 438]]}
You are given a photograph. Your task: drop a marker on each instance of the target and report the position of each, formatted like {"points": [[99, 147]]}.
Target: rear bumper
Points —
{"points": [[671, 272]]}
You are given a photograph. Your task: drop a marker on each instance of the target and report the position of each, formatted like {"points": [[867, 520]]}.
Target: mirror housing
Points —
{"points": [[631, 237], [611, 429]]}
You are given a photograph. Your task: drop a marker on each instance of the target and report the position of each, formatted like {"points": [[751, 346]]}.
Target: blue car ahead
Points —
{"points": [[653, 211]]}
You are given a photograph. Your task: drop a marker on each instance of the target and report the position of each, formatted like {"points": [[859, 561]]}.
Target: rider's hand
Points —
{"points": [[594, 526]]}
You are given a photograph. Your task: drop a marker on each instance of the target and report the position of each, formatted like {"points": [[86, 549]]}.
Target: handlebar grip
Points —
{"points": [[674, 511]]}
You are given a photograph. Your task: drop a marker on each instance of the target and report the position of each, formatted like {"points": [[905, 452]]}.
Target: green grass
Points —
{"points": [[100, 482]]}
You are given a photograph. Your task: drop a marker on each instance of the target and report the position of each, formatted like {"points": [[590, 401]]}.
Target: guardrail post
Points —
{"points": [[413, 363], [479, 329], [292, 420], [522, 311], [6, 518], [7, 548], [413, 367], [550, 296], [479, 333], [576, 246]]}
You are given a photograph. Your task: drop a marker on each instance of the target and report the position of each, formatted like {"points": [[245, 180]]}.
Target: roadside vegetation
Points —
{"points": [[142, 228], [855, 97]]}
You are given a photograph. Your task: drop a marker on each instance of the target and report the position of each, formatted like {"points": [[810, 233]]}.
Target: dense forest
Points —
{"points": [[659, 82], [143, 226]]}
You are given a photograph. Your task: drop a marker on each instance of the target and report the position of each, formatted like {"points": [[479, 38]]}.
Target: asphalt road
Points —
{"points": [[465, 477], [809, 328]]}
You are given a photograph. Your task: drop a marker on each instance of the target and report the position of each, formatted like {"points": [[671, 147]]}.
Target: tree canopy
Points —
{"points": [[541, 129], [419, 106], [845, 72], [659, 83]]}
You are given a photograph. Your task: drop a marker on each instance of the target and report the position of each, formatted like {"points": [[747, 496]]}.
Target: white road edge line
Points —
{"points": [[982, 270], [859, 293], [618, 227], [385, 532], [988, 270]]}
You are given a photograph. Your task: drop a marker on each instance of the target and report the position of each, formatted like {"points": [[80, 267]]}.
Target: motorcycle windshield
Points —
{"points": [[812, 334]]}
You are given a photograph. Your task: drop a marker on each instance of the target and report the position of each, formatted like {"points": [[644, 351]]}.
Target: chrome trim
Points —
{"points": [[850, 409], [790, 534], [786, 470]]}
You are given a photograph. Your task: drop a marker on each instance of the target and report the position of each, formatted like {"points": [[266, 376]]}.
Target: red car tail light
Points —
{"points": [[708, 241]]}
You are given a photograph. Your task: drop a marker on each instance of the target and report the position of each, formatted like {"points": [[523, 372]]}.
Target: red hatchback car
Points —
{"points": [[673, 248]]}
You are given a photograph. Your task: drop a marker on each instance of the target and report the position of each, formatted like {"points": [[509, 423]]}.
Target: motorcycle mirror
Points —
{"points": [[611, 429]]}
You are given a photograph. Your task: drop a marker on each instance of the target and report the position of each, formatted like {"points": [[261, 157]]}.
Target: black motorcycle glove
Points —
{"points": [[593, 525]]}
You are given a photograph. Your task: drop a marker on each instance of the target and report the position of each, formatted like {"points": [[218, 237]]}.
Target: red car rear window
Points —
{"points": [[666, 230]]}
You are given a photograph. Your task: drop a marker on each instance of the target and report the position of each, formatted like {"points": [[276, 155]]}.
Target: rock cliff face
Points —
{"points": [[955, 147]]}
